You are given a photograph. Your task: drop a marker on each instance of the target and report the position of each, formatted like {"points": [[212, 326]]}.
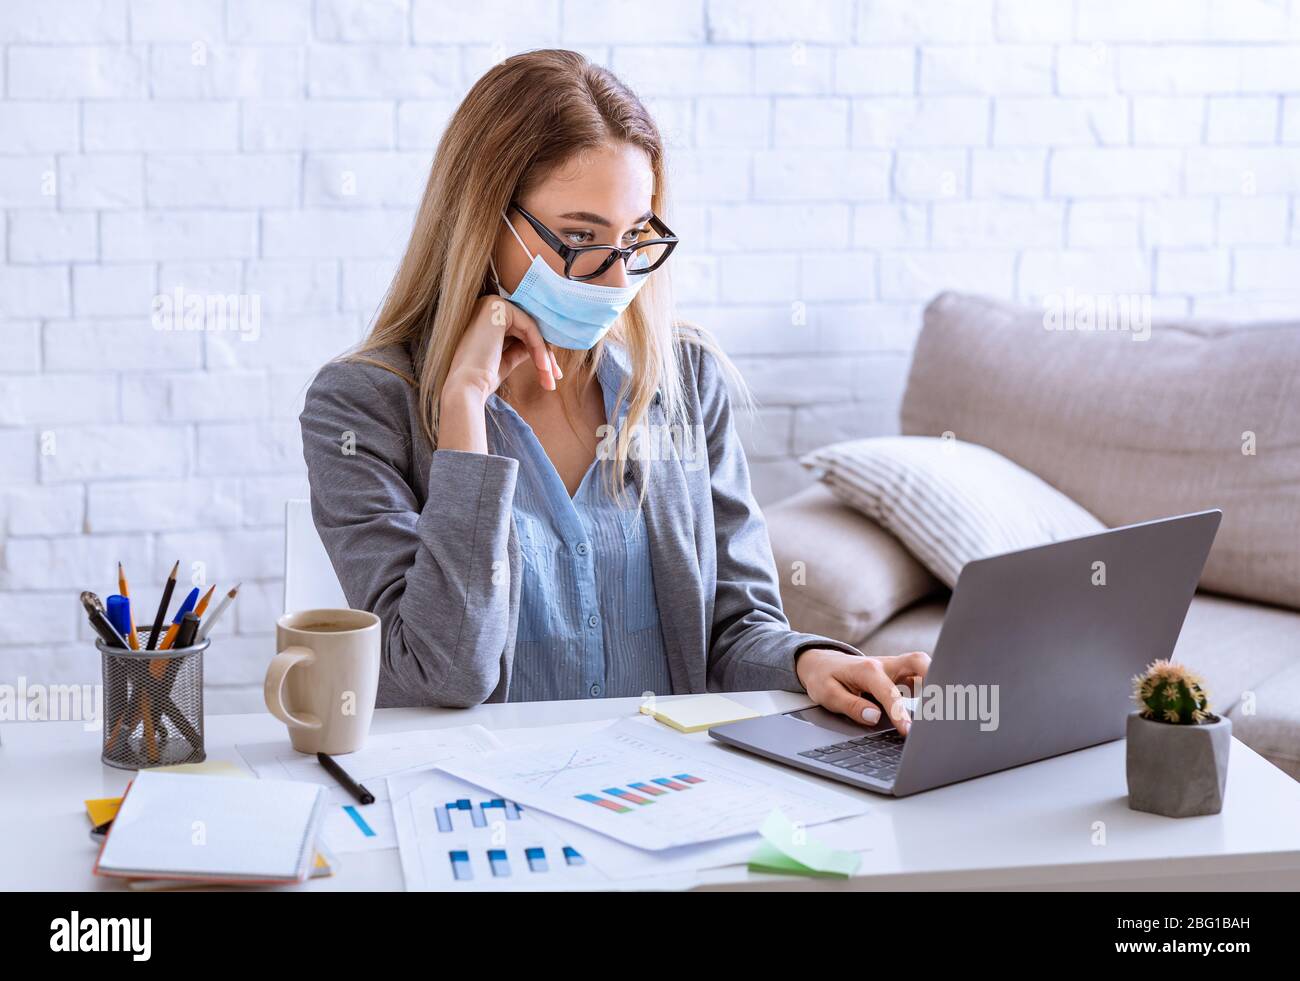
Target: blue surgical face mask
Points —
{"points": [[570, 314]]}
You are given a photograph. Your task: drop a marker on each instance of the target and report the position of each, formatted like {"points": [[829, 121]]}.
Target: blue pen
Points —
{"points": [[174, 629], [118, 610]]}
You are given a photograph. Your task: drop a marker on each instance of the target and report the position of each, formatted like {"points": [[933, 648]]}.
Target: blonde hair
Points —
{"points": [[524, 118]]}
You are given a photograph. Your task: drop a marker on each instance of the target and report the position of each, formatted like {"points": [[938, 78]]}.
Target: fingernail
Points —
{"points": [[871, 715], [559, 372]]}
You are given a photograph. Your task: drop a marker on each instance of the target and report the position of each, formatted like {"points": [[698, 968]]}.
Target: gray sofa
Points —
{"points": [[1195, 415]]}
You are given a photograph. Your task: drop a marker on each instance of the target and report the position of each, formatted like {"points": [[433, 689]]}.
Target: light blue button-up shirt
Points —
{"points": [[588, 619]]}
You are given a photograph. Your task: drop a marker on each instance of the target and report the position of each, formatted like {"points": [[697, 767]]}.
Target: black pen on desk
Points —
{"points": [[350, 785]]}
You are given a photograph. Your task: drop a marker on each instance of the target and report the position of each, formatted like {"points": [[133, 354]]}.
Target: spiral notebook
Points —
{"points": [[213, 829]]}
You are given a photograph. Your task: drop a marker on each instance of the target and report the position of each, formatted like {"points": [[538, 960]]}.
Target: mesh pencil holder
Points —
{"points": [[153, 705]]}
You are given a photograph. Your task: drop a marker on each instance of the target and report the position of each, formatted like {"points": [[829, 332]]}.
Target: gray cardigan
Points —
{"points": [[425, 540]]}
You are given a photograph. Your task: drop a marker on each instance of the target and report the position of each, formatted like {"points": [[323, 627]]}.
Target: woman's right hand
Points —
{"points": [[499, 338]]}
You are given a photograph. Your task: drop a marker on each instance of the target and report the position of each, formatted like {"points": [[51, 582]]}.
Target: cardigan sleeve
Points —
{"points": [[751, 644], [431, 572]]}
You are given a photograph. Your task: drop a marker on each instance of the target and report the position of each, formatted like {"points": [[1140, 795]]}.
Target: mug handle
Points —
{"points": [[273, 690]]}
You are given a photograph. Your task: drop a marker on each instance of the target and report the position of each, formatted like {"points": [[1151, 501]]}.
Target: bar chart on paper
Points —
{"points": [[650, 789], [621, 800], [453, 836]]}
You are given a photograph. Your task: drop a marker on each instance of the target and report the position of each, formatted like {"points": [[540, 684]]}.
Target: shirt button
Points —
{"points": [[581, 548], [595, 691], [593, 620]]}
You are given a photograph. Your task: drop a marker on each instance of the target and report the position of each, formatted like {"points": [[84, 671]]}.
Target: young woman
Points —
{"points": [[528, 469]]}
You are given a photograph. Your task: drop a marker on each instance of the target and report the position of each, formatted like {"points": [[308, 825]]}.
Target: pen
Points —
{"points": [[94, 607], [120, 685], [350, 785], [189, 627], [120, 615], [104, 627], [118, 610], [108, 633], [170, 638]]}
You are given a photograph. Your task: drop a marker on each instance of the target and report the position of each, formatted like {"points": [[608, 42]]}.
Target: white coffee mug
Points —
{"points": [[322, 683]]}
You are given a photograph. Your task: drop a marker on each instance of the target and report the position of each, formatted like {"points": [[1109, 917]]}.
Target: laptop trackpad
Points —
{"points": [[825, 719]]}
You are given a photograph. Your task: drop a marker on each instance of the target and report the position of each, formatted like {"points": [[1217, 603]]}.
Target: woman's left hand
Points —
{"points": [[837, 681]]}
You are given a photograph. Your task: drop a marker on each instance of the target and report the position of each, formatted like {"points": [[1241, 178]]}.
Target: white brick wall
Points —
{"points": [[837, 162]]}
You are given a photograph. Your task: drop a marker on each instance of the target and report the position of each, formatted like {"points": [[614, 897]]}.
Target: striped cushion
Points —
{"points": [[948, 501]]}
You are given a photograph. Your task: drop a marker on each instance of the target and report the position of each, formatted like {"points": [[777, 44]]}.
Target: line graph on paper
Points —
{"points": [[649, 789], [578, 759]]}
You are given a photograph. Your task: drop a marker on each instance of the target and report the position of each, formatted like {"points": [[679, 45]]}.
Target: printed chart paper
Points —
{"points": [[624, 864], [652, 789], [350, 826], [454, 836], [629, 864]]}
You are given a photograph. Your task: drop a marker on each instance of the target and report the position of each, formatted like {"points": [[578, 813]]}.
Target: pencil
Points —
{"points": [[165, 706], [203, 603], [155, 635], [134, 637], [211, 621]]}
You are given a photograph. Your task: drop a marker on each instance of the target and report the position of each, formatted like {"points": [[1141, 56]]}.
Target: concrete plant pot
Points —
{"points": [[1177, 770]]}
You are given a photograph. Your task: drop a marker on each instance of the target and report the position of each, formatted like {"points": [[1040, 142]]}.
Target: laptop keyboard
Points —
{"points": [[876, 755]]}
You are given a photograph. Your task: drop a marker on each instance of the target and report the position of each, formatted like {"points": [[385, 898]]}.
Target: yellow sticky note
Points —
{"points": [[212, 768], [102, 809], [695, 713]]}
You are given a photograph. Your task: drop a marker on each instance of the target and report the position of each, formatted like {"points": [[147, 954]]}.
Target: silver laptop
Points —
{"points": [[1035, 658]]}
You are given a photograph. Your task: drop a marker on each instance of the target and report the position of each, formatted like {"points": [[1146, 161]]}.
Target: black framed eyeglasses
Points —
{"points": [[585, 262]]}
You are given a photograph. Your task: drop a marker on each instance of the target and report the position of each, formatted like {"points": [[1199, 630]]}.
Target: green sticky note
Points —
{"points": [[789, 850]]}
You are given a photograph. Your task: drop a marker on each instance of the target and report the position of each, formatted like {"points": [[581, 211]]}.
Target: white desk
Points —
{"points": [[1032, 827]]}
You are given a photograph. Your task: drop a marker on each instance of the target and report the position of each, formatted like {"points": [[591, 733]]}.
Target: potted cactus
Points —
{"points": [[1177, 748]]}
